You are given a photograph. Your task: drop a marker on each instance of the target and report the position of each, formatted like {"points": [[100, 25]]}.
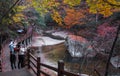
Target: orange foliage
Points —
{"points": [[73, 17]]}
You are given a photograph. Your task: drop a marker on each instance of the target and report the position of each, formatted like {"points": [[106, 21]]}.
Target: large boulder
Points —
{"points": [[79, 46], [115, 61]]}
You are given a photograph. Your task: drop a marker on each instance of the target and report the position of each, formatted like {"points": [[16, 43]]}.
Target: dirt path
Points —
{"points": [[6, 59]]}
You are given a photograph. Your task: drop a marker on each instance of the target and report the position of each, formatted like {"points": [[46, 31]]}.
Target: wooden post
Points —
{"points": [[60, 67], [28, 58], [38, 66]]}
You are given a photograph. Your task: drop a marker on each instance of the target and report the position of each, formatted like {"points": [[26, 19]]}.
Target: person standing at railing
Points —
{"points": [[21, 57], [12, 55]]}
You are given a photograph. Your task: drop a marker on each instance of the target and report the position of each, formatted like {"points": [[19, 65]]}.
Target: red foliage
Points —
{"points": [[106, 30]]}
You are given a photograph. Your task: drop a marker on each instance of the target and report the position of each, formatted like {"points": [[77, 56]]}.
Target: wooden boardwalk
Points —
{"points": [[17, 72], [21, 72]]}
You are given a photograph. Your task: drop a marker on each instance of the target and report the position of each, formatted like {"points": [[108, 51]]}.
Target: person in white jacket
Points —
{"points": [[21, 57]]}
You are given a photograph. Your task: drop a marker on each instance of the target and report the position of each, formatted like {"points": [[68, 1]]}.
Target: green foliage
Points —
{"points": [[41, 21], [48, 18], [36, 18]]}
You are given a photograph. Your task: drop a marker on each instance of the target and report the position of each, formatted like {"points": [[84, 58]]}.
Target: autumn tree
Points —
{"points": [[54, 6], [74, 17], [95, 7]]}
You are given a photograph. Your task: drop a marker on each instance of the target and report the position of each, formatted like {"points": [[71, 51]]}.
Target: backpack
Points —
{"points": [[16, 49]]}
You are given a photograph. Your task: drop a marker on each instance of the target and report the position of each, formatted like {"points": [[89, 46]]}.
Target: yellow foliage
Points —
{"points": [[116, 2], [95, 6], [100, 7], [18, 17], [6, 21], [72, 16], [20, 8], [56, 16], [42, 6], [72, 2]]}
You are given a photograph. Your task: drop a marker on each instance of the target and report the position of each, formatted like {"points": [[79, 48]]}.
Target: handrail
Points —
{"points": [[69, 74], [50, 67], [44, 73], [33, 70], [60, 70], [32, 60], [33, 57], [33, 63]]}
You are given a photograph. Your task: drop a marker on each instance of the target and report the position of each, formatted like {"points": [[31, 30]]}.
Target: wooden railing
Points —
{"points": [[35, 64]]}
